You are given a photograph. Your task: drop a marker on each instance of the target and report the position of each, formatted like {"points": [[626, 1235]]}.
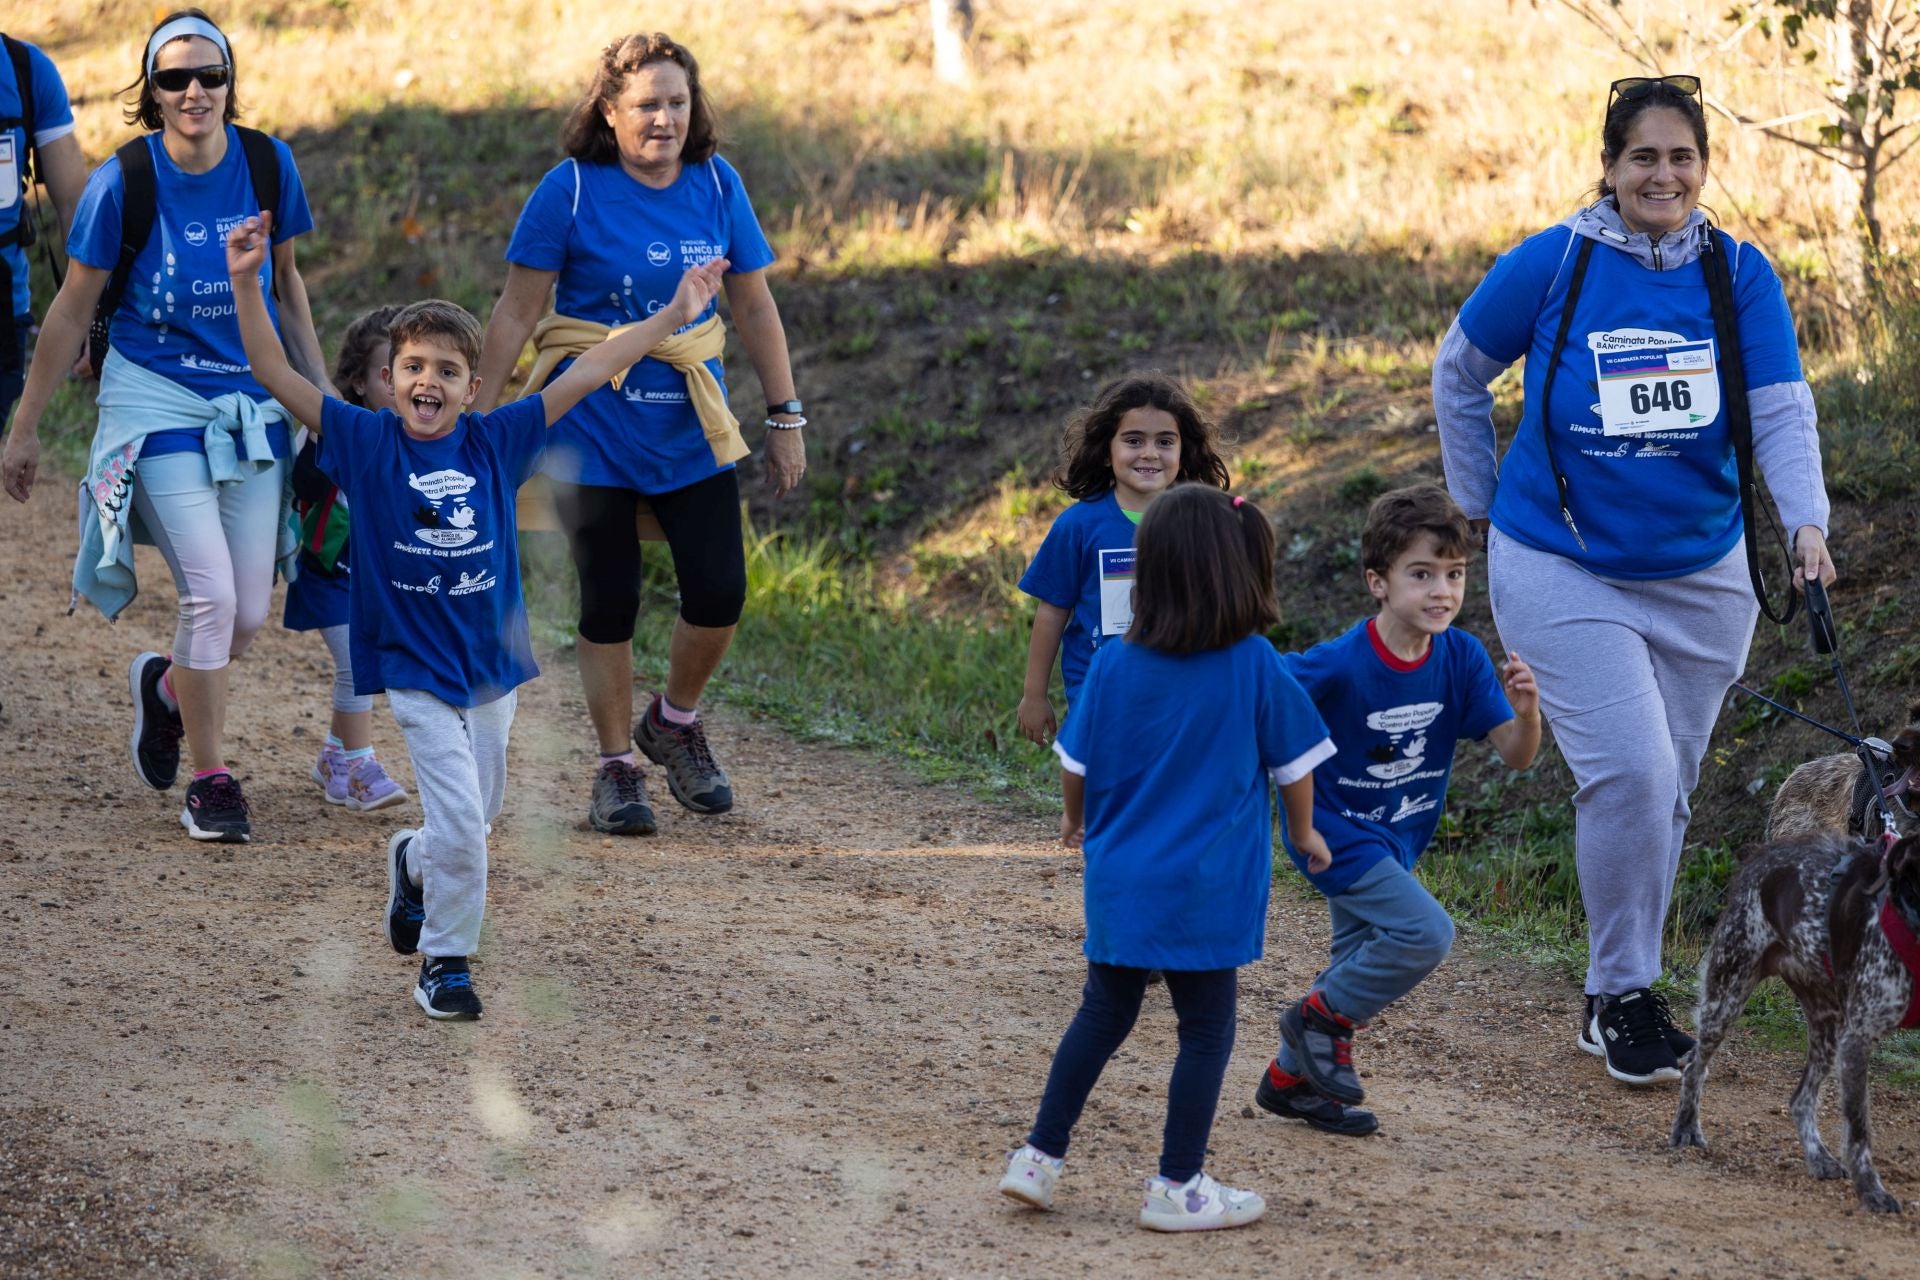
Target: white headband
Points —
{"points": [[180, 28]]}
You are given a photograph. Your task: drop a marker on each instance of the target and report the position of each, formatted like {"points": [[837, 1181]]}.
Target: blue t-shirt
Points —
{"points": [[1085, 564], [52, 119], [620, 248], [1176, 751], [1396, 727], [176, 318], [435, 586], [1657, 505], [316, 599]]}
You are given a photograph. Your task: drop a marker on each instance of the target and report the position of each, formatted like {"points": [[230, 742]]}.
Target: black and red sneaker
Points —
{"points": [[216, 810], [1292, 1098], [1322, 1043]]}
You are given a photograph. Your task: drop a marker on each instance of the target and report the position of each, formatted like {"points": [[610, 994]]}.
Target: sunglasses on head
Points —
{"points": [[1640, 86], [176, 79]]}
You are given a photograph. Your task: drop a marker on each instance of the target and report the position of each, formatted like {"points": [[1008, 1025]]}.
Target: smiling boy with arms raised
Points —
{"points": [[1397, 692], [436, 613]]}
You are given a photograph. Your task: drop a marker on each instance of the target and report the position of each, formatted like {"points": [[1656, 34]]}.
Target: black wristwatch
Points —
{"points": [[785, 406]]}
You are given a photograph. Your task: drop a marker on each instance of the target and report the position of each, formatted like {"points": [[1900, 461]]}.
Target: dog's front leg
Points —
{"points": [[1855, 1048], [1823, 1037]]}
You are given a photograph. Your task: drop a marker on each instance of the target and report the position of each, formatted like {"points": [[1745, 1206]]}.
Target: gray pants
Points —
{"points": [[459, 759], [1632, 675]]}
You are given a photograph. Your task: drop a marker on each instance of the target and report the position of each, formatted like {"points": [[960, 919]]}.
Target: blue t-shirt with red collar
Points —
{"points": [[1395, 725], [1085, 565], [434, 592]]}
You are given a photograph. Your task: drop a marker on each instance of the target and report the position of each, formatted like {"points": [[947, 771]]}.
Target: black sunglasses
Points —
{"points": [[176, 79], [1640, 86]]}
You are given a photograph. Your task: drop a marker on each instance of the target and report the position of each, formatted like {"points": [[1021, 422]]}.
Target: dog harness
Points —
{"points": [[1901, 938]]}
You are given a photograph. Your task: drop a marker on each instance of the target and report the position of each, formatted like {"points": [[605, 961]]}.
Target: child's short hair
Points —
{"points": [[368, 330], [1086, 462], [1399, 516], [1203, 572], [438, 318]]}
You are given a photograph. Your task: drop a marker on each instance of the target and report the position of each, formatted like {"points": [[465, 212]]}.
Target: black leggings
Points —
{"points": [[702, 524]]}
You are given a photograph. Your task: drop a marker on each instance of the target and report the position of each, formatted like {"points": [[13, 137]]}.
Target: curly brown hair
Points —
{"points": [[437, 318], [588, 137], [368, 330], [1398, 517], [145, 110], [1086, 453], [1203, 575]]}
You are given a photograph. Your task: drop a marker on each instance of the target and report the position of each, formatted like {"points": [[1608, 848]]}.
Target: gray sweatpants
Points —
{"points": [[1631, 675], [459, 759]]}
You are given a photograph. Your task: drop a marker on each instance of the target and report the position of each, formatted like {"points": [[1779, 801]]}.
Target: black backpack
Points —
{"points": [[137, 214], [25, 231]]}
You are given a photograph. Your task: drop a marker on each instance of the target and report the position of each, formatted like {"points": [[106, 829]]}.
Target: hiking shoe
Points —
{"points": [[1198, 1204], [329, 773], [156, 726], [696, 781], [1322, 1043], [1589, 1039], [620, 801], [1030, 1176], [216, 810], [1298, 1101], [369, 787], [1631, 1030], [445, 989], [406, 907]]}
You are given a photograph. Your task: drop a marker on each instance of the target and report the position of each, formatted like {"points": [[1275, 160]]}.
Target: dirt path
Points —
{"points": [[796, 1040]]}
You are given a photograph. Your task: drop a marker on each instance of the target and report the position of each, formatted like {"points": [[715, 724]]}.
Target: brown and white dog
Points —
{"points": [[1809, 910], [1832, 793]]}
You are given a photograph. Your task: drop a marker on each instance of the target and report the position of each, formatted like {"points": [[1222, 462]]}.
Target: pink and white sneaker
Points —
{"points": [[369, 787], [329, 773]]}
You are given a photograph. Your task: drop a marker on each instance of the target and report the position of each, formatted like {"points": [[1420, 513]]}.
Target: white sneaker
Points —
{"points": [[1031, 1174], [1198, 1204]]}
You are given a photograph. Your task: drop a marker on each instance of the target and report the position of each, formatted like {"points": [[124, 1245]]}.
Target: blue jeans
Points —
{"points": [[1388, 934], [1204, 1002]]}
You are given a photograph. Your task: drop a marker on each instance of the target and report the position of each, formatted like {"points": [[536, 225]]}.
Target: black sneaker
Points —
{"points": [[445, 989], [216, 810], [406, 910], [1679, 1041], [620, 801], [1322, 1042], [696, 781], [1632, 1031], [156, 726], [1298, 1101]]}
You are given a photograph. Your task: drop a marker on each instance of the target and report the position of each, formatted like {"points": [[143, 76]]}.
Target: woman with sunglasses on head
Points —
{"points": [[191, 453], [1617, 557], [642, 196]]}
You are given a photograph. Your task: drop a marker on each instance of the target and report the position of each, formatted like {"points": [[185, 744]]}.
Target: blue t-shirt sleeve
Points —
{"points": [[1054, 575], [1078, 734], [344, 429], [540, 236], [1768, 346], [52, 112], [293, 217], [95, 238], [1500, 315], [1485, 702], [747, 247], [1287, 725], [518, 430]]}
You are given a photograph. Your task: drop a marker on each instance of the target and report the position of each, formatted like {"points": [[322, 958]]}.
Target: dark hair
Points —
{"points": [[1086, 454], [587, 135], [1398, 517], [145, 110], [437, 318], [368, 330], [1624, 111], [1203, 572]]}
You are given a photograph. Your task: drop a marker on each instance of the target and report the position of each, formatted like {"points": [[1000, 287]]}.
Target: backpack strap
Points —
{"points": [[138, 198], [1546, 390], [23, 82], [263, 167]]}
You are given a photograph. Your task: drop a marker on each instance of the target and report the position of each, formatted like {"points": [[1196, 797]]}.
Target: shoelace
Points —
{"points": [[693, 737], [626, 782], [1662, 1012], [223, 795], [1643, 1021], [167, 732], [447, 980]]}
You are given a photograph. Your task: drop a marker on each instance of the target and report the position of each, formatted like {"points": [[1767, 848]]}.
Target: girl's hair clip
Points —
{"points": [[1238, 501]]}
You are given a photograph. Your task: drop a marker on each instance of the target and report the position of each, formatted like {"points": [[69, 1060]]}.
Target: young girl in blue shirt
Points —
{"points": [[1141, 434], [1167, 756]]}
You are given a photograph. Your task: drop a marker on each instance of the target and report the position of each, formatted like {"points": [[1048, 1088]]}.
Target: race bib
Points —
{"points": [[1649, 389], [1116, 591], [9, 174]]}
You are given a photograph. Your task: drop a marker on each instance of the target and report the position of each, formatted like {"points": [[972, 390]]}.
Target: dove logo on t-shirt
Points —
{"points": [[455, 527]]}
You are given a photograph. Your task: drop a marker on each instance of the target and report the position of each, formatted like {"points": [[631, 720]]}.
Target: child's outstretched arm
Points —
{"points": [[1036, 712], [1519, 738], [247, 247], [1297, 799], [601, 363]]}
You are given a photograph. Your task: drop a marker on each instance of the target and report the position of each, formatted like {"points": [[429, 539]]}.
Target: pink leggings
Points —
{"points": [[219, 543]]}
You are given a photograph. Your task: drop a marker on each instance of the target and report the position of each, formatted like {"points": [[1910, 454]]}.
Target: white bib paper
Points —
{"points": [[9, 174], [1116, 591], [1649, 389]]}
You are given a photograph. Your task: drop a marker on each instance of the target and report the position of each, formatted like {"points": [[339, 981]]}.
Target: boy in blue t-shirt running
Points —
{"points": [[1397, 692], [436, 616]]}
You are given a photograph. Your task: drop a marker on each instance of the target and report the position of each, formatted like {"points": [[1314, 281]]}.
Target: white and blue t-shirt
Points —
{"points": [[176, 318], [1177, 751], [1085, 564], [621, 247], [435, 585], [1637, 418], [52, 120], [1395, 724]]}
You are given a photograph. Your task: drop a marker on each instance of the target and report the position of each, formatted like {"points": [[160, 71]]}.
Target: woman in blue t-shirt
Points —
{"points": [[607, 234], [1614, 557], [191, 453]]}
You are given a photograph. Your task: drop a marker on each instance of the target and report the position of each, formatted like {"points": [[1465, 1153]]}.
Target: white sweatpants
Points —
{"points": [[460, 771]]}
